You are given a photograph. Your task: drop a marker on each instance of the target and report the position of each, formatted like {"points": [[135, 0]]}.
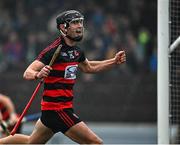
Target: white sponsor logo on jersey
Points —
{"points": [[70, 72]]}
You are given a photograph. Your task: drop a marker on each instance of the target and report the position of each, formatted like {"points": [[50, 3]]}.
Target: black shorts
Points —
{"points": [[59, 120]]}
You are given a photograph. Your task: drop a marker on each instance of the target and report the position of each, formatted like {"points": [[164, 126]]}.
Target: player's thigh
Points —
{"points": [[80, 133], [41, 134]]}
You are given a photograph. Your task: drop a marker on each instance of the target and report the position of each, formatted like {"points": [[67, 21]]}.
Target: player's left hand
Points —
{"points": [[120, 57]]}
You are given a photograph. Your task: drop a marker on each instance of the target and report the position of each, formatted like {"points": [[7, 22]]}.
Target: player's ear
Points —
{"points": [[62, 27]]}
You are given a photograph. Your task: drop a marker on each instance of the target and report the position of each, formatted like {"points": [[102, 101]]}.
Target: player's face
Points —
{"points": [[76, 29]]}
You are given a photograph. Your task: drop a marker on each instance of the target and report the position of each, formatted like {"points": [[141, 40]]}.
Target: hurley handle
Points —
{"points": [[56, 53]]}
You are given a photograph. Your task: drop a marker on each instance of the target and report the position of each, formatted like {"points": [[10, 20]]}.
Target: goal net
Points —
{"points": [[174, 71]]}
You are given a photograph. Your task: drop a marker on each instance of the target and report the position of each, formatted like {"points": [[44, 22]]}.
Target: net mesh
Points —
{"points": [[174, 73]]}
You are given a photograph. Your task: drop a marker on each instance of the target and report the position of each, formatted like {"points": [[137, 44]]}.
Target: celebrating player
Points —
{"points": [[57, 100]]}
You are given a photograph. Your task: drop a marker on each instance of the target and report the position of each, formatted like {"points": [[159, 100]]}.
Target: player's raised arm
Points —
{"points": [[98, 66]]}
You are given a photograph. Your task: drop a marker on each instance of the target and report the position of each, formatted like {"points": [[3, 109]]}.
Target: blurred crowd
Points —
{"points": [[28, 26]]}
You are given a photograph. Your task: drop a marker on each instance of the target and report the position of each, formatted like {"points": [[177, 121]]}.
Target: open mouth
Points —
{"points": [[79, 31]]}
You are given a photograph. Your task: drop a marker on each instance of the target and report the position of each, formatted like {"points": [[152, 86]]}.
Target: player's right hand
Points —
{"points": [[44, 71]]}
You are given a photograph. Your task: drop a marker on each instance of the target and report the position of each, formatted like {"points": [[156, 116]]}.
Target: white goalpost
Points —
{"points": [[168, 71], [163, 72]]}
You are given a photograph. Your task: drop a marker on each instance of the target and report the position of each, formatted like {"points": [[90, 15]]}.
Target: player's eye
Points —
{"points": [[77, 21]]}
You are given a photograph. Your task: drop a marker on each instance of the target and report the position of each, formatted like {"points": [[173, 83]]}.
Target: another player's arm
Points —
{"points": [[98, 66], [10, 106], [36, 70]]}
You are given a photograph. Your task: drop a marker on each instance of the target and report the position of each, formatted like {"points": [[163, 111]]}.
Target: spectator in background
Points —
{"points": [[1, 59], [153, 58], [31, 47], [146, 42], [7, 113], [131, 46], [13, 50]]}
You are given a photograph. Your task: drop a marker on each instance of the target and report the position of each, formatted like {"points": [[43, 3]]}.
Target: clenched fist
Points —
{"points": [[120, 57], [44, 72]]}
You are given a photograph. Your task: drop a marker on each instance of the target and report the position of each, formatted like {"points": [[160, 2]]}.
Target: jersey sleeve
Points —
{"points": [[45, 55], [82, 56]]}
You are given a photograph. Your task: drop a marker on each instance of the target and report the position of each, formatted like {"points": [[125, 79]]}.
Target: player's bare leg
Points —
{"points": [[16, 139], [81, 134], [41, 134]]}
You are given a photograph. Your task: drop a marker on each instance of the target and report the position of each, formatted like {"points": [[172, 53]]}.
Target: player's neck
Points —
{"points": [[69, 42]]}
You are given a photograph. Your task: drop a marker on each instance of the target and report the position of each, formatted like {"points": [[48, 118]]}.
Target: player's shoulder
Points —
{"points": [[54, 44], [50, 49]]}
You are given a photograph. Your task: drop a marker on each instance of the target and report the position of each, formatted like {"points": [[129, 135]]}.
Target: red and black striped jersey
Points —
{"points": [[58, 86], [4, 111]]}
